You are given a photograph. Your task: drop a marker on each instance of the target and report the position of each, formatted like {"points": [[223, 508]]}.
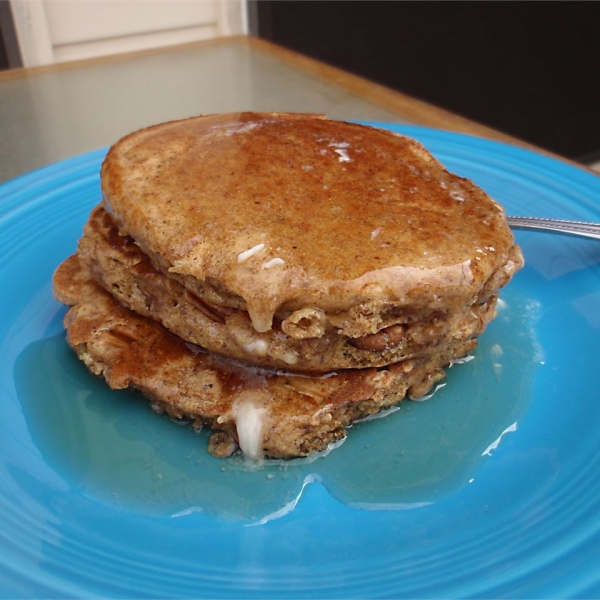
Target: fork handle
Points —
{"points": [[588, 230]]}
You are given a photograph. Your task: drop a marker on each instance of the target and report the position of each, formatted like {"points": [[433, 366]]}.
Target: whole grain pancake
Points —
{"points": [[265, 412], [305, 222], [126, 272]]}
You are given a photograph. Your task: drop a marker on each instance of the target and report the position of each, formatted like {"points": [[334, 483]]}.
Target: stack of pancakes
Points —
{"points": [[278, 276]]}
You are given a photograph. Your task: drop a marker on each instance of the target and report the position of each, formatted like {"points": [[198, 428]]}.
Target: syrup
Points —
{"points": [[112, 448]]}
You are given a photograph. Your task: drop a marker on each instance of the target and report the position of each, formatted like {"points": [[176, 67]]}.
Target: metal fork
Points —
{"points": [[579, 228]]}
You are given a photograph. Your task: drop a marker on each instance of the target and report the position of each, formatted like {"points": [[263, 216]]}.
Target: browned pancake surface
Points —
{"points": [[284, 212]]}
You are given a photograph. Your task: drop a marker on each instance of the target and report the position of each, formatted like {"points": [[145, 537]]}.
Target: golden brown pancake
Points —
{"points": [[317, 224], [126, 272], [266, 412]]}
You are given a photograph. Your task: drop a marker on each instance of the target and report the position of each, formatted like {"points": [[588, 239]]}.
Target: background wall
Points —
{"points": [[10, 57], [527, 68]]}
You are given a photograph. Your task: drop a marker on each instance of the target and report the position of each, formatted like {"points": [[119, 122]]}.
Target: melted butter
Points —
{"points": [[243, 256], [273, 263], [257, 347], [223, 195], [249, 412]]}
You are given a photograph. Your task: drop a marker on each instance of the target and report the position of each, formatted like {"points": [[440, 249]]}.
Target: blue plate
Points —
{"points": [[488, 489]]}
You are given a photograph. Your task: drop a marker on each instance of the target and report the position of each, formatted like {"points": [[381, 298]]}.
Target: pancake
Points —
{"points": [[264, 412], [277, 277], [119, 265], [306, 224]]}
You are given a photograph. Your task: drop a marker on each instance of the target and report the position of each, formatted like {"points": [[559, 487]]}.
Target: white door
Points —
{"points": [[53, 31]]}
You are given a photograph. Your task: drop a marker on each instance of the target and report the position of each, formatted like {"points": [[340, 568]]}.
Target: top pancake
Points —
{"points": [[279, 212]]}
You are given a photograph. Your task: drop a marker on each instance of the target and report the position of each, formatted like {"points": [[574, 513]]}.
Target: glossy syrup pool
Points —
{"points": [[111, 447]]}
